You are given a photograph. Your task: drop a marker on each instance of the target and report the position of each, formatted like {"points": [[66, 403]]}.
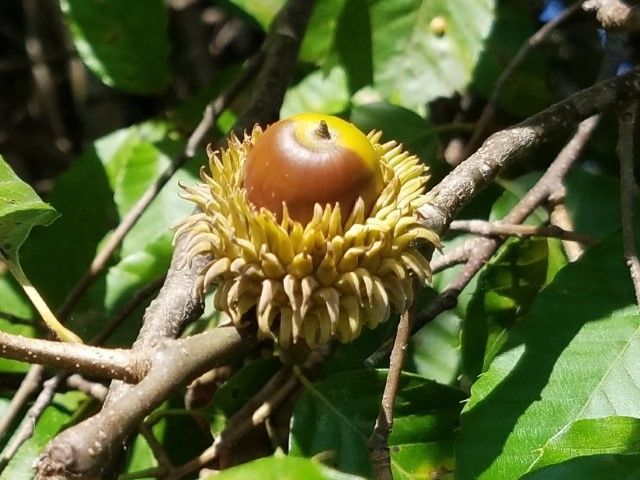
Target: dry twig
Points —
{"points": [[378, 442], [489, 109], [500, 229], [627, 121]]}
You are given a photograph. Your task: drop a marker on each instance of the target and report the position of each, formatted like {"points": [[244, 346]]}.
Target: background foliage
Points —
{"points": [[534, 373]]}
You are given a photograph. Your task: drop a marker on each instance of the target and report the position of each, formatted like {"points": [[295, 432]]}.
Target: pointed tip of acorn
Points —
{"points": [[323, 131]]}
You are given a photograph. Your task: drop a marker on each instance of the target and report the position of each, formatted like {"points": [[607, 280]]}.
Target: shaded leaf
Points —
{"points": [[319, 41], [337, 415], [593, 467], [511, 29], [593, 201], [353, 44], [282, 468], [124, 43], [434, 351], [505, 289]]}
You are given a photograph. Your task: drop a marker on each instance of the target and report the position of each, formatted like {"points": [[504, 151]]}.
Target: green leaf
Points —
{"points": [[404, 126], [139, 455], [514, 190], [282, 468], [120, 167], [337, 415], [20, 210], [318, 43], [319, 40], [513, 26], [412, 64], [353, 44], [571, 357], [124, 43], [55, 418], [593, 467], [319, 91], [26, 329], [262, 11], [593, 200], [434, 351], [610, 435], [505, 291]]}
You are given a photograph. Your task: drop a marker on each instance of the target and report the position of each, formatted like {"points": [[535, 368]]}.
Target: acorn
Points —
{"points": [[309, 159], [313, 224]]}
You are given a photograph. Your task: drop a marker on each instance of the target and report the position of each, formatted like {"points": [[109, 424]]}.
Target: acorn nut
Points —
{"points": [[308, 159]]}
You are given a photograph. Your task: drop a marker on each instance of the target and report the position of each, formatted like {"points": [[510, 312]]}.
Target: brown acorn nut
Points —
{"points": [[308, 159]]}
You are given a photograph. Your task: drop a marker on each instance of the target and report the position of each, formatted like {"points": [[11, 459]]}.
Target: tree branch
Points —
{"points": [[489, 109], [378, 442], [504, 147], [615, 14], [85, 359], [501, 229], [627, 121], [83, 449]]}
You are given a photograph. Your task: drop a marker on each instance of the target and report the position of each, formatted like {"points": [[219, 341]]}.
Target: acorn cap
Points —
{"points": [[308, 159], [314, 281]]}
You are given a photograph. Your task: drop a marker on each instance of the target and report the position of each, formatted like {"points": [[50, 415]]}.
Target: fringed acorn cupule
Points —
{"points": [[313, 224]]}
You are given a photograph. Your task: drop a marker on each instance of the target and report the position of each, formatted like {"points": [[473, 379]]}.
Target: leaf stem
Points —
{"points": [[38, 302]]}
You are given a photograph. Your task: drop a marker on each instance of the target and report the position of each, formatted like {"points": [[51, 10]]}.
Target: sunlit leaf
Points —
{"points": [[20, 210], [571, 357]]}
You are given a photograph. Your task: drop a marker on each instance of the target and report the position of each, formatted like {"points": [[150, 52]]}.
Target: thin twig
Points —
{"points": [[159, 453], [86, 359], [253, 413], [503, 148], [379, 440], [29, 422], [500, 229], [452, 257], [626, 121], [561, 217], [239, 425], [214, 109], [490, 108], [134, 302], [88, 445], [28, 387], [93, 389], [45, 396]]}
